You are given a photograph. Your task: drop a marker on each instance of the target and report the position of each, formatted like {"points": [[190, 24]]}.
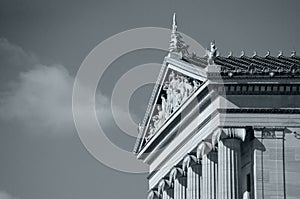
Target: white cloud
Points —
{"points": [[40, 99], [5, 195]]}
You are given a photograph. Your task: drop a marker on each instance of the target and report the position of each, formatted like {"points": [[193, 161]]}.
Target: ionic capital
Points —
{"points": [[203, 149], [188, 161], [175, 172], [225, 133], [163, 185], [153, 194]]}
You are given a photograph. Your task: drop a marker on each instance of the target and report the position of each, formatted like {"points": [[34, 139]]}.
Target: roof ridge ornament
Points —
{"points": [[254, 53], [268, 54], [230, 54], [280, 53], [293, 53], [211, 53], [177, 45], [242, 53]]}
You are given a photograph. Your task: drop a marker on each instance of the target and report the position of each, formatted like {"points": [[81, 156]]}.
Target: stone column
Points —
{"points": [[165, 189], [178, 179], [210, 175], [229, 142], [193, 169], [209, 169]]}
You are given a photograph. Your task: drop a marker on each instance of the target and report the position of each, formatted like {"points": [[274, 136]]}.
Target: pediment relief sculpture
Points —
{"points": [[175, 91]]}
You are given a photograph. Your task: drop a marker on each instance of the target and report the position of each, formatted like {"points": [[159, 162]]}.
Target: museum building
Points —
{"points": [[222, 127]]}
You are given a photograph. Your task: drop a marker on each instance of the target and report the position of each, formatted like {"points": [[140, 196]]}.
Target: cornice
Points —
{"points": [[261, 110], [257, 88]]}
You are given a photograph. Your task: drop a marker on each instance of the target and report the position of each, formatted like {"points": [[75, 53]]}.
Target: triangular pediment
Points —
{"points": [[177, 82]]}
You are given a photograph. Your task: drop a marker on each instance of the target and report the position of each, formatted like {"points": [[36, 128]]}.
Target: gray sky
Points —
{"points": [[41, 48]]}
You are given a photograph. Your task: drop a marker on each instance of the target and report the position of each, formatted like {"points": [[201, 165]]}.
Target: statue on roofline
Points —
{"points": [[211, 53]]}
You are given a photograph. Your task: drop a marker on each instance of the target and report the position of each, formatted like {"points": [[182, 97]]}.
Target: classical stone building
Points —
{"points": [[223, 127]]}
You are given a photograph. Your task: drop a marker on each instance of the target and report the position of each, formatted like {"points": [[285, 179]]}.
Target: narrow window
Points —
{"points": [[248, 183]]}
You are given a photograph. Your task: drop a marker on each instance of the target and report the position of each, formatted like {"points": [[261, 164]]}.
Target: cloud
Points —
{"points": [[40, 99], [5, 195]]}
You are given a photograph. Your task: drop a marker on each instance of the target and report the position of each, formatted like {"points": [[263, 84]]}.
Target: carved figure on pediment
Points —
{"points": [[171, 76], [182, 88], [188, 87], [170, 97], [159, 118], [165, 106], [155, 121], [151, 132], [178, 99], [175, 93], [196, 85], [174, 82]]}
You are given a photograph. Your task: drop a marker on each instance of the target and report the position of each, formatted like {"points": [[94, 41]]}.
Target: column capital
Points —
{"points": [[163, 185], [153, 194], [175, 172], [225, 133], [203, 148], [188, 161]]}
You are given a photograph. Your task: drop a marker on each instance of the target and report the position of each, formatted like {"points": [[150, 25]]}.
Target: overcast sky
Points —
{"points": [[42, 44]]}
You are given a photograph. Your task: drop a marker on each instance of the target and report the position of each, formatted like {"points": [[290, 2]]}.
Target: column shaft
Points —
{"points": [[168, 194], [180, 188], [210, 175], [194, 181], [229, 159]]}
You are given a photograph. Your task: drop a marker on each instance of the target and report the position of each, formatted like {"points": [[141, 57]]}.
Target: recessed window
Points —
{"points": [[248, 183]]}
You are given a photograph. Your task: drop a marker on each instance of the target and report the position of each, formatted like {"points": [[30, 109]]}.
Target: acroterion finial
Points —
{"points": [[174, 39], [174, 24], [242, 53], [177, 46]]}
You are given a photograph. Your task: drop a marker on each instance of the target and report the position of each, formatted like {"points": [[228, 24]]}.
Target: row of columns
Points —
{"points": [[213, 172]]}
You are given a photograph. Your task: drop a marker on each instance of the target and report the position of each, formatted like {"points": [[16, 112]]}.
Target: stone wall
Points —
{"points": [[292, 165], [277, 165]]}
